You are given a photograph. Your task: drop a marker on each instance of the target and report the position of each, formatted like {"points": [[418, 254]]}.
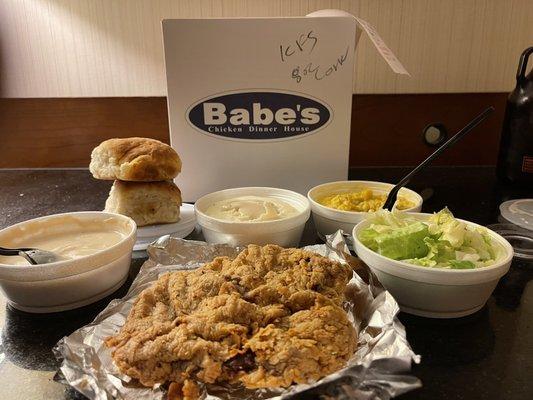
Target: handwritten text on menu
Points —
{"points": [[305, 43]]}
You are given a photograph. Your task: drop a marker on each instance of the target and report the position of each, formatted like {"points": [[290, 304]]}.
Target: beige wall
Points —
{"points": [[64, 48]]}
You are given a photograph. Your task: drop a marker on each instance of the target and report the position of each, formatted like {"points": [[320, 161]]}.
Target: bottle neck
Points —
{"points": [[525, 81]]}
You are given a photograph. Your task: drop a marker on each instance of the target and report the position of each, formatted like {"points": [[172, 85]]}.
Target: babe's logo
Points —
{"points": [[261, 115]]}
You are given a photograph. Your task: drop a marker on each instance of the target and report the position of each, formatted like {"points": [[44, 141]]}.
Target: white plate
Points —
{"points": [[518, 212], [180, 229]]}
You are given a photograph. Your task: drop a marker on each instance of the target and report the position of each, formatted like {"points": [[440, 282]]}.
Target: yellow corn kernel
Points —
{"points": [[363, 200]]}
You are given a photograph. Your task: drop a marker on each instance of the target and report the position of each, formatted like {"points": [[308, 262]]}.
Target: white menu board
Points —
{"points": [[260, 101]]}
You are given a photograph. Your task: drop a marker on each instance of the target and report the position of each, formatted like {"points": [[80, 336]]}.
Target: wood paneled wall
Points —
{"points": [[386, 129], [93, 48]]}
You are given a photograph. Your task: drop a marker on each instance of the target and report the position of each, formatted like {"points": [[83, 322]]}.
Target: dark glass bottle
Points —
{"points": [[515, 160]]}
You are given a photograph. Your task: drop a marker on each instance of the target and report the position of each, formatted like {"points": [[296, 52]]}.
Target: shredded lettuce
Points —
{"points": [[442, 241], [462, 264]]}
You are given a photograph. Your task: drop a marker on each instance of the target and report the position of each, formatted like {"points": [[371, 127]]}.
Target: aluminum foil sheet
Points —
{"points": [[379, 369]]}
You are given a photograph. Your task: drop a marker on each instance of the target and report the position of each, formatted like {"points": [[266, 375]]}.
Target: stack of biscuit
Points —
{"points": [[142, 170]]}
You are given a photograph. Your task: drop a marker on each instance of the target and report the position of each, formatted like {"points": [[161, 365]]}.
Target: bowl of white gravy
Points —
{"points": [[253, 215], [95, 255]]}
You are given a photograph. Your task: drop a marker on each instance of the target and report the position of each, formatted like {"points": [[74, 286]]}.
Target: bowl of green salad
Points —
{"points": [[435, 265]]}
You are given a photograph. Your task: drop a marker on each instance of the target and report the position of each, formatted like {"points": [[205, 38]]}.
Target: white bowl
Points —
{"points": [[285, 232], [329, 220], [69, 284], [435, 292]]}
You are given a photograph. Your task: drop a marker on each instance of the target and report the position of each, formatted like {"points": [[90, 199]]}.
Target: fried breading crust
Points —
{"points": [[270, 317]]}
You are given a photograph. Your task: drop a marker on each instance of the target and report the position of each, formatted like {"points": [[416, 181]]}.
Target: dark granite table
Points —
{"points": [[488, 355]]}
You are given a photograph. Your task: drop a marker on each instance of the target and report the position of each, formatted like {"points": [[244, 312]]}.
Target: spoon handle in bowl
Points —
{"points": [[8, 252], [12, 252]]}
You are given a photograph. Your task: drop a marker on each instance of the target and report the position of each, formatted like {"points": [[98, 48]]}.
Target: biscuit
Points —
{"points": [[146, 203], [134, 159]]}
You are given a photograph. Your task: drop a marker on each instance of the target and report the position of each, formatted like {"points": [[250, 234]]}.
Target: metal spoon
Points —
{"points": [[391, 198], [34, 256]]}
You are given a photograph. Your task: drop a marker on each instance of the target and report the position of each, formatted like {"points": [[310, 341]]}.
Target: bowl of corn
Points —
{"points": [[343, 204]]}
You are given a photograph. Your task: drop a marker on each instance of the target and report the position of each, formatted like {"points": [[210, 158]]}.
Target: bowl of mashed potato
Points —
{"points": [[343, 204], [94, 250], [258, 215]]}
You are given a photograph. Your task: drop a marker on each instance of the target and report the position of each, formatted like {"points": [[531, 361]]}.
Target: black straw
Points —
{"points": [[391, 198]]}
